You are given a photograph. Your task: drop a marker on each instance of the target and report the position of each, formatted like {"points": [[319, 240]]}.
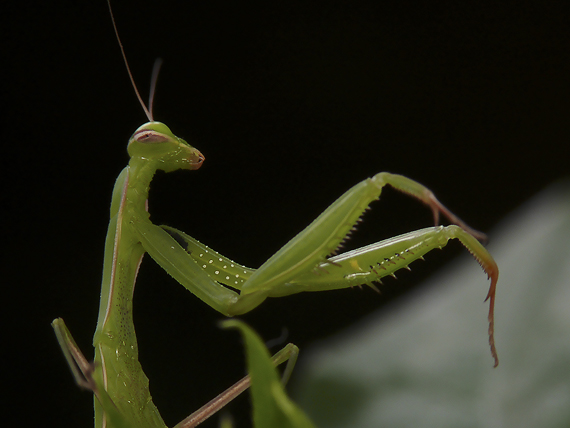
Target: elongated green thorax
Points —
{"points": [[152, 147]]}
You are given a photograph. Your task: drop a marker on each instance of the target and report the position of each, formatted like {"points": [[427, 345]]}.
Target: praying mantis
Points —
{"points": [[308, 262]]}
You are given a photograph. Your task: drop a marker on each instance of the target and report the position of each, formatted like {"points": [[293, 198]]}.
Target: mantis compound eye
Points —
{"points": [[149, 136]]}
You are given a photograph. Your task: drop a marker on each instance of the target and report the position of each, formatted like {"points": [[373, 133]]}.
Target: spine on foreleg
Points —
{"points": [[366, 265]]}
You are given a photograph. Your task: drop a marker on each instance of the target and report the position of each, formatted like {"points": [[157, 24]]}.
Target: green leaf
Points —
{"points": [[427, 363], [272, 408]]}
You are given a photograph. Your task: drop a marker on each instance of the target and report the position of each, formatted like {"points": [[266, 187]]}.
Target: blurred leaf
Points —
{"points": [[271, 406], [427, 363]]}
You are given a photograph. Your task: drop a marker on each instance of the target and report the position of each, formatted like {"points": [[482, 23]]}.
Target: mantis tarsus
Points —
{"points": [[306, 263]]}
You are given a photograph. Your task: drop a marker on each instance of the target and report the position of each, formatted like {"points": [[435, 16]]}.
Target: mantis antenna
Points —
{"points": [[155, 70], [153, 80]]}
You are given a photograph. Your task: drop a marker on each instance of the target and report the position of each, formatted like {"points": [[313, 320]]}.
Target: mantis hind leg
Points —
{"points": [[288, 354]]}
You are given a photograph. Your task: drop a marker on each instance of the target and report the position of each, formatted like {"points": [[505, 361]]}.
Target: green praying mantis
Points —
{"points": [[308, 262]]}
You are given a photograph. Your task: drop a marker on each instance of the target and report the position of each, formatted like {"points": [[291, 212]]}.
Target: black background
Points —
{"points": [[291, 103]]}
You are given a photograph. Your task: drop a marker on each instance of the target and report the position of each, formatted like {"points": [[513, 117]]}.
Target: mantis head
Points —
{"points": [[154, 142]]}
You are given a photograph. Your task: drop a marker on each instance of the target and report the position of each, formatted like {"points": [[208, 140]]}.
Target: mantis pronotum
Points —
{"points": [[306, 263]]}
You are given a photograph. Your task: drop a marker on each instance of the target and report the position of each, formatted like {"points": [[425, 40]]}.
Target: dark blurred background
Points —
{"points": [[292, 103]]}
